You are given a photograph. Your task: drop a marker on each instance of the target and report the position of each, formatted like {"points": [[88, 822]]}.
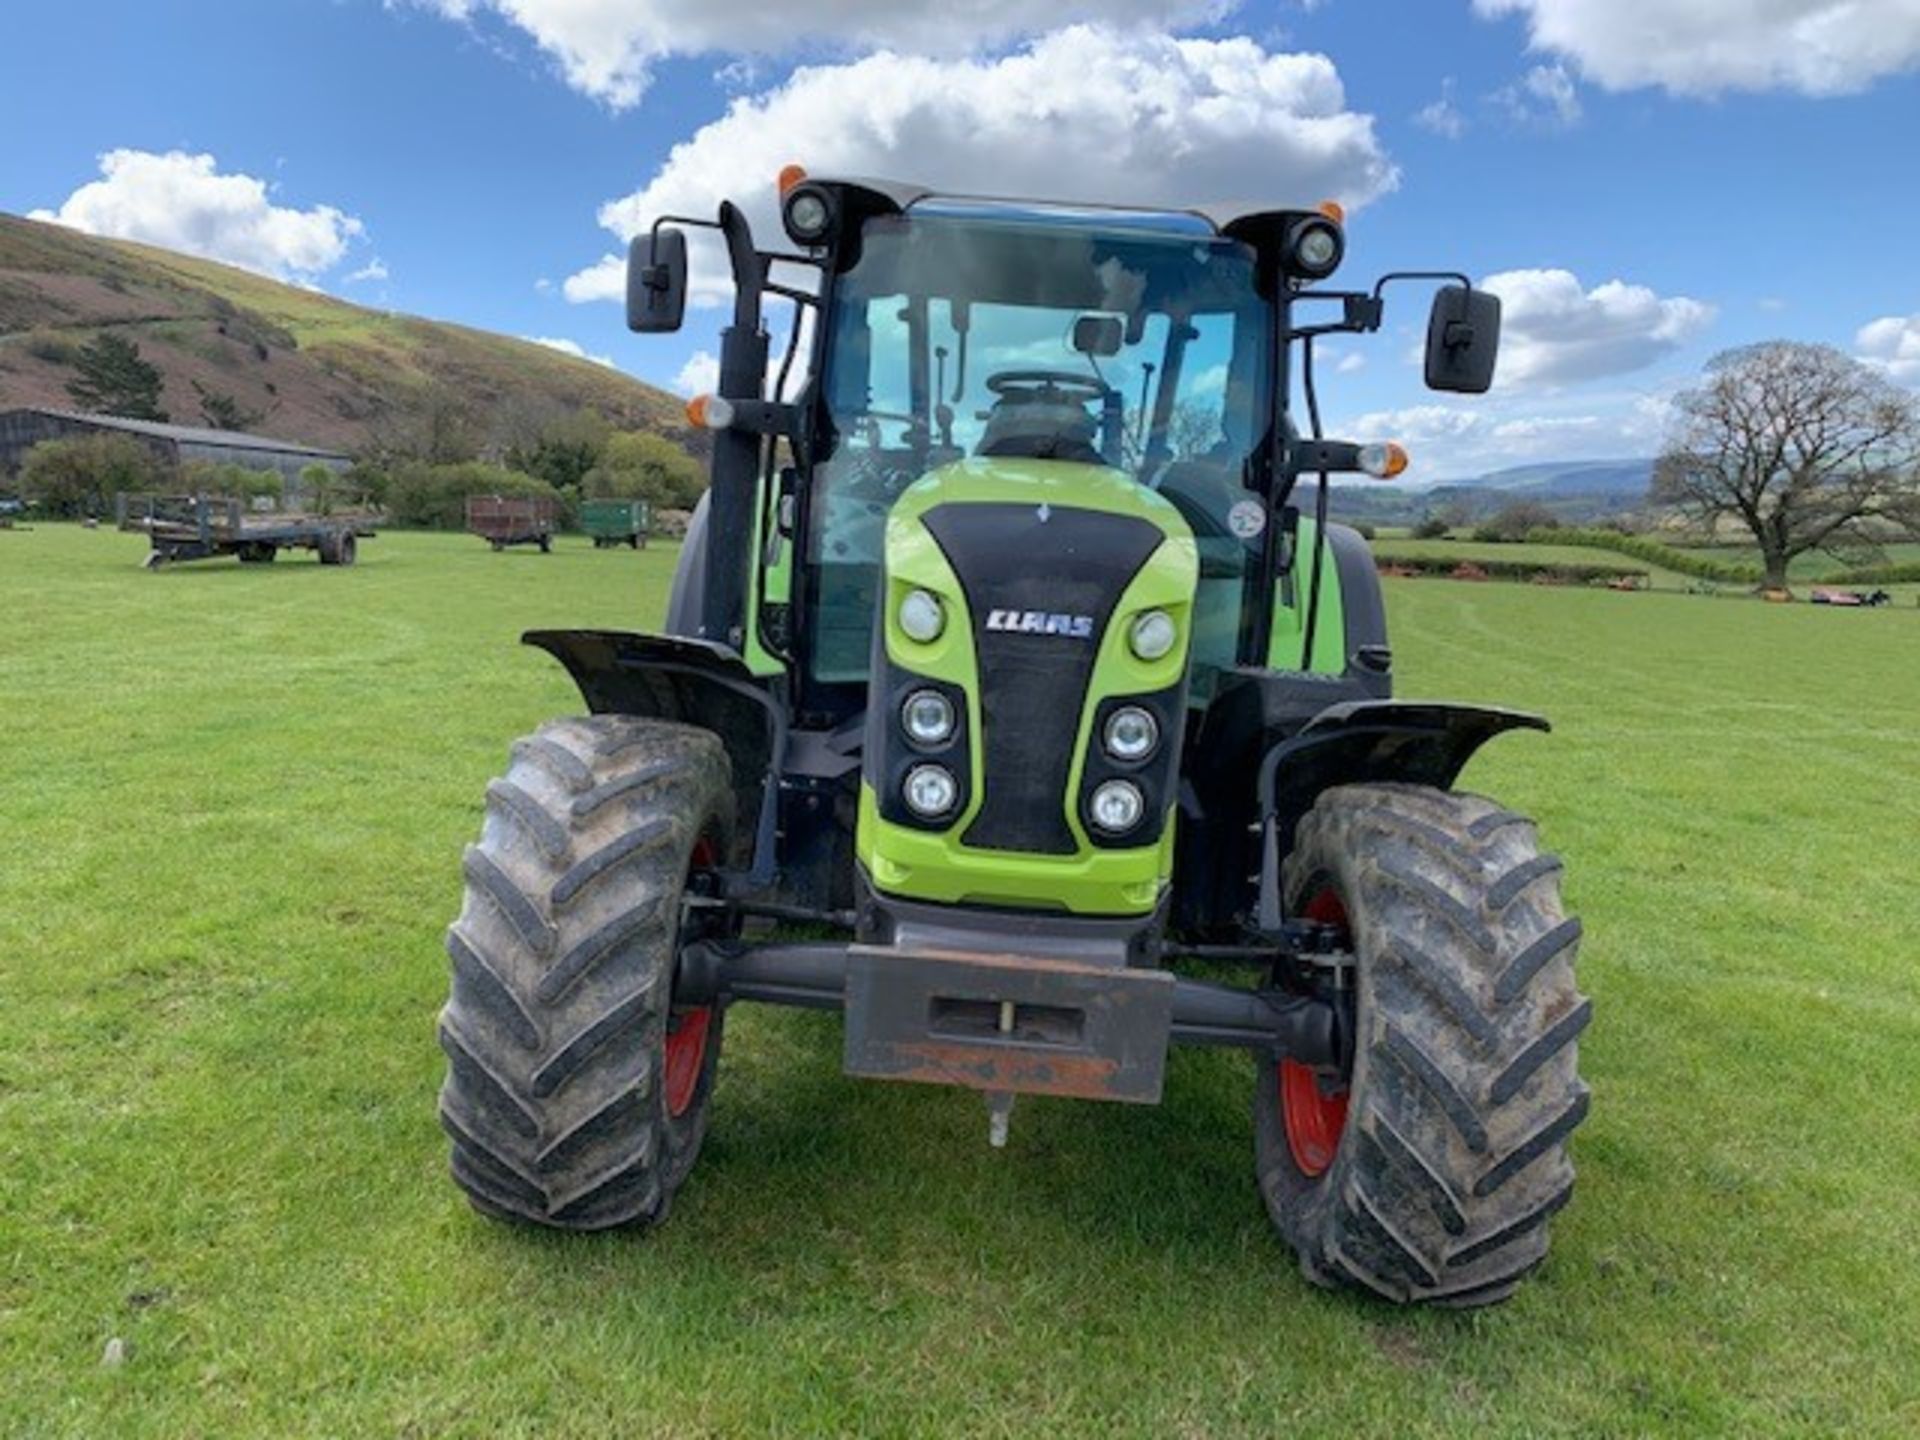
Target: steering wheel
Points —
{"points": [[1072, 385], [866, 425]]}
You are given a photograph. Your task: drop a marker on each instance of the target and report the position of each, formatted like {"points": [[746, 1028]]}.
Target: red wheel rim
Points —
{"points": [[1314, 1107], [687, 1029], [686, 1055]]}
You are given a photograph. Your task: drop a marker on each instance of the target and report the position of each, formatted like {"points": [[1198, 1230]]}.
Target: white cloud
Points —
{"points": [[1417, 423], [183, 202], [374, 269], [1545, 95], [1442, 116], [608, 48], [700, 375], [1553, 332], [1892, 344], [1087, 113], [1455, 442], [1704, 47], [1348, 363], [571, 347]]}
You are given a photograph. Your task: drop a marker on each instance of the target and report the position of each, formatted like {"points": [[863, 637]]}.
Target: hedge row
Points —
{"points": [[1497, 569], [1687, 562], [1900, 572], [1653, 552]]}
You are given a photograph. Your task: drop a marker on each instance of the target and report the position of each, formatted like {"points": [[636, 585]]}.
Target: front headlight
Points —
{"points": [[921, 616], [930, 791], [1153, 635], [927, 717], [1117, 806], [1131, 734]]}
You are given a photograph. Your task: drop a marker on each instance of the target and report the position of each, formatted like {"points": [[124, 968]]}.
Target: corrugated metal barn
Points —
{"points": [[21, 430]]}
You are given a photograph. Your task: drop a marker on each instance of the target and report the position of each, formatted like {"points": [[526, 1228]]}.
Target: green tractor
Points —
{"points": [[1001, 663]]}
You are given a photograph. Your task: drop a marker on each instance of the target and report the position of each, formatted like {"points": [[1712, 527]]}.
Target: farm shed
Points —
{"points": [[21, 430]]}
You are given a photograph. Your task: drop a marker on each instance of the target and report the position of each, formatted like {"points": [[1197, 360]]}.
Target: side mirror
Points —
{"points": [[657, 281], [1463, 340], [1097, 335]]}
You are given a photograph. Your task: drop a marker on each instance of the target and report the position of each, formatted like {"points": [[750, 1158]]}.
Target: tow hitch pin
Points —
{"points": [[1000, 1102]]}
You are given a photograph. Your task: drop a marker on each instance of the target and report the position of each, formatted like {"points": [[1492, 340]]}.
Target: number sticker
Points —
{"points": [[1247, 518]]}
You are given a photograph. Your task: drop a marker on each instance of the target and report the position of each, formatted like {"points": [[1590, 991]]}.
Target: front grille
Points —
{"points": [[1033, 687]]}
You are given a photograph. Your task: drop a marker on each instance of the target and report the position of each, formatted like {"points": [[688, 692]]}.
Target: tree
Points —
{"points": [[1194, 428], [562, 448], [204, 477], [79, 477], [1514, 521], [1431, 528], [114, 380], [223, 411], [321, 485], [435, 496], [1804, 446], [639, 465]]}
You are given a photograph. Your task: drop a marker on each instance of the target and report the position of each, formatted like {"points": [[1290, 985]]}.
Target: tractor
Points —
{"points": [[1016, 702]]}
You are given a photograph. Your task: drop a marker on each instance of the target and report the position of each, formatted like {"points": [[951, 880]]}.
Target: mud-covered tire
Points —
{"points": [[559, 1099], [1464, 1085]]}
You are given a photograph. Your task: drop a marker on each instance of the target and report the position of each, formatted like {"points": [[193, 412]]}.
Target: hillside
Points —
{"points": [[1576, 491], [319, 369], [1627, 478]]}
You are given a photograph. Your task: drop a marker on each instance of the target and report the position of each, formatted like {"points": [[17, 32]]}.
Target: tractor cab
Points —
{"points": [[1023, 335]]}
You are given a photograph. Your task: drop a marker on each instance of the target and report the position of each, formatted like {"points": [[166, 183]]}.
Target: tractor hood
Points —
{"points": [[1041, 568]]}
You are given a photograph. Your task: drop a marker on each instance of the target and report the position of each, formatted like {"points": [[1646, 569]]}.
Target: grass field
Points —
{"points": [[232, 803], [1807, 570]]}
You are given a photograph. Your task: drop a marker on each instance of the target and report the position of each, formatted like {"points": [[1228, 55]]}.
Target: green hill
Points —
{"points": [[317, 369]]}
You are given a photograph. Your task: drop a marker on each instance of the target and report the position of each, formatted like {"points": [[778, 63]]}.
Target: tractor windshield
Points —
{"points": [[1139, 343]]}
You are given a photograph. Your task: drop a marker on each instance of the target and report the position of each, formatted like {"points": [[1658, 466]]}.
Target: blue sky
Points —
{"points": [[1646, 181]]}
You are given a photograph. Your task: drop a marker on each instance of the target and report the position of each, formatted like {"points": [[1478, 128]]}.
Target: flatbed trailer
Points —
{"points": [[201, 527], [612, 523], [503, 520]]}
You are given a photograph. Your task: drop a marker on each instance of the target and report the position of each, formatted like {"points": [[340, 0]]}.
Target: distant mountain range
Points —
{"points": [[1575, 490], [1566, 477], [311, 367]]}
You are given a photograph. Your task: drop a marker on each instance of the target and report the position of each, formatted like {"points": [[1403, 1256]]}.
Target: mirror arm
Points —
{"points": [[748, 265], [1452, 276]]}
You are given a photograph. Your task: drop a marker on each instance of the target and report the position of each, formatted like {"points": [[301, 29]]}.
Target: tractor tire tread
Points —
{"points": [[562, 971], [1465, 1088]]}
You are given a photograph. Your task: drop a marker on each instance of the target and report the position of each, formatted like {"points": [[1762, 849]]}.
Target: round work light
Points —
{"points": [[930, 791], [1315, 248], [1131, 734], [1117, 806], [928, 718], [808, 214]]}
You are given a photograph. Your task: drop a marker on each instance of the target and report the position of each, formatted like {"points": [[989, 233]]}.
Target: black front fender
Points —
{"points": [[1359, 742], [1418, 741], [695, 682]]}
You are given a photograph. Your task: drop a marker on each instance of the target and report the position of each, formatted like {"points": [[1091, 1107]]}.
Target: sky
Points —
{"points": [[1645, 182]]}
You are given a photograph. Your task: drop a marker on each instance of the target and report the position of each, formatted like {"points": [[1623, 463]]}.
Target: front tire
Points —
{"points": [[1428, 1172], [576, 1093]]}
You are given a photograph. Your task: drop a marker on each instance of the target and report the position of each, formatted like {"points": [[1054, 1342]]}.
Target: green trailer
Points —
{"points": [[617, 522]]}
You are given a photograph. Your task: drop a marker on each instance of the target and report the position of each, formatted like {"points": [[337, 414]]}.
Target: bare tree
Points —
{"points": [[1803, 445]]}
